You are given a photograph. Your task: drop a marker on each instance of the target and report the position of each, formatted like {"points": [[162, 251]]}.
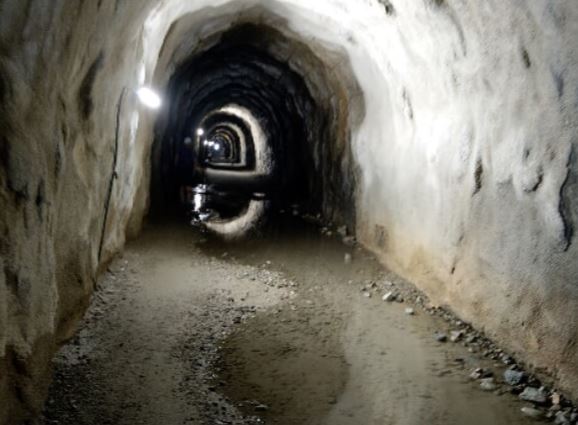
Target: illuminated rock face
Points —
{"points": [[453, 152]]}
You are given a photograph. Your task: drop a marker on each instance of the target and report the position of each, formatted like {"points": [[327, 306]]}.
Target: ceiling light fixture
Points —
{"points": [[149, 97]]}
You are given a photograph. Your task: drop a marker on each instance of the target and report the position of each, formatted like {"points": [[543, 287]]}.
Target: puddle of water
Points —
{"points": [[281, 360], [332, 356]]}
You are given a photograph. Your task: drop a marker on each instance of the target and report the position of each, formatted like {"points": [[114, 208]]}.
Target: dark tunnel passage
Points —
{"points": [[241, 127]]}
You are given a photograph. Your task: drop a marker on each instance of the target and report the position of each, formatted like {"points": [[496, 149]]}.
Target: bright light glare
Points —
{"points": [[216, 147], [198, 201], [149, 98], [200, 132]]}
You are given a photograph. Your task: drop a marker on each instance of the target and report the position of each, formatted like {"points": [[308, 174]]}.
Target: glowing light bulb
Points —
{"points": [[149, 97], [200, 132]]}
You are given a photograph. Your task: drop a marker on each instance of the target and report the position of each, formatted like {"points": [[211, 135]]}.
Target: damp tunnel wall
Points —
{"points": [[457, 118]]}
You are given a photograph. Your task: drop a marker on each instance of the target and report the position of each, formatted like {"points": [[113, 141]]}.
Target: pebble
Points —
{"points": [[455, 336], [389, 297], [441, 337], [535, 395], [514, 377], [531, 412], [261, 408], [562, 418], [556, 399], [347, 258], [409, 311], [349, 240], [488, 384], [480, 373]]}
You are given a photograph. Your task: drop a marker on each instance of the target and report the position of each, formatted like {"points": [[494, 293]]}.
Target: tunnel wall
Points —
{"points": [[465, 158], [469, 186], [66, 108]]}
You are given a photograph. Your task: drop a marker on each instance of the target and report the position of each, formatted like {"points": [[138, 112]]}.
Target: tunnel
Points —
{"points": [[287, 211], [243, 128]]}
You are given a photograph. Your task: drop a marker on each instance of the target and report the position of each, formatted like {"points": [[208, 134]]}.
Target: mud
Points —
{"points": [[187, 329]]}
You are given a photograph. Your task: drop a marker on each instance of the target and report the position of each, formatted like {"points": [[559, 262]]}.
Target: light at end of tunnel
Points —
{"points": [[149, 97], [200, 132]]}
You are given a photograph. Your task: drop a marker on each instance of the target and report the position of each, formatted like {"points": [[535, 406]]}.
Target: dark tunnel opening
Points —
{"points": [[241, 127]]}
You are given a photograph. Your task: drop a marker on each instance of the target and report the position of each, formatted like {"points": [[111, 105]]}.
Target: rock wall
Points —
{"points": [[469, 184], [62, 114], [464, 138]]}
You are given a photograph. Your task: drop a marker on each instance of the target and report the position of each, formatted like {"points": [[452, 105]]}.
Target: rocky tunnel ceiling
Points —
{"points": [[443, 133]]}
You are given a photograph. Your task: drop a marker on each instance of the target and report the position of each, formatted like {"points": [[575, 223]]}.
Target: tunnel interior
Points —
{"points": [[438, 135], [242, 127]]}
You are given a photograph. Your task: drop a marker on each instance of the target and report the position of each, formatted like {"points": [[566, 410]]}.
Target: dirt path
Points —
{"points": [[188, 330]]}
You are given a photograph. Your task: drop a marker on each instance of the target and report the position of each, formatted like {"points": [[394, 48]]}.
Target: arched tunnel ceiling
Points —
{"points": [[453, 150]]}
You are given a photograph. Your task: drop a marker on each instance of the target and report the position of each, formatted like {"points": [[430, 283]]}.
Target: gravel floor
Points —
{"points": [[287, 328]]}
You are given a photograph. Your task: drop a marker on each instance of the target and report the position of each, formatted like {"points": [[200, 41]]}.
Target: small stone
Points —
{"points": [[455, 336], [441, 337], [349, 240], [556, 399], [261, 408], [562, 418], [480, 373], [371, 284], [367, 294], [531, 412], [514, 377], [389, 297], [535, 395], [347, 258], [409, 311], [488, 384]]}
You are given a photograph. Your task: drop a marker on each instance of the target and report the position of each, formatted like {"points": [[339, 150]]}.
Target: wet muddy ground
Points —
{"points": [[286, 328]]}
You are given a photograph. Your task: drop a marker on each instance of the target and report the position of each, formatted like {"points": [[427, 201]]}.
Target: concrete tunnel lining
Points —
{"points": [[436, 111]]}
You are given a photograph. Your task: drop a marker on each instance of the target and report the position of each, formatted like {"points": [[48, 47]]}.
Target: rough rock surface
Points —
{"points": [[463, 137]]}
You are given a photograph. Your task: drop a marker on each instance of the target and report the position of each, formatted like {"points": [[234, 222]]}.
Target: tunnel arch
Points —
{"points": [[332, 107]]}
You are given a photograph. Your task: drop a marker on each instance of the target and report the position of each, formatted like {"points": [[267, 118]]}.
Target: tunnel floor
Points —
{"points": [[186, 329]]}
